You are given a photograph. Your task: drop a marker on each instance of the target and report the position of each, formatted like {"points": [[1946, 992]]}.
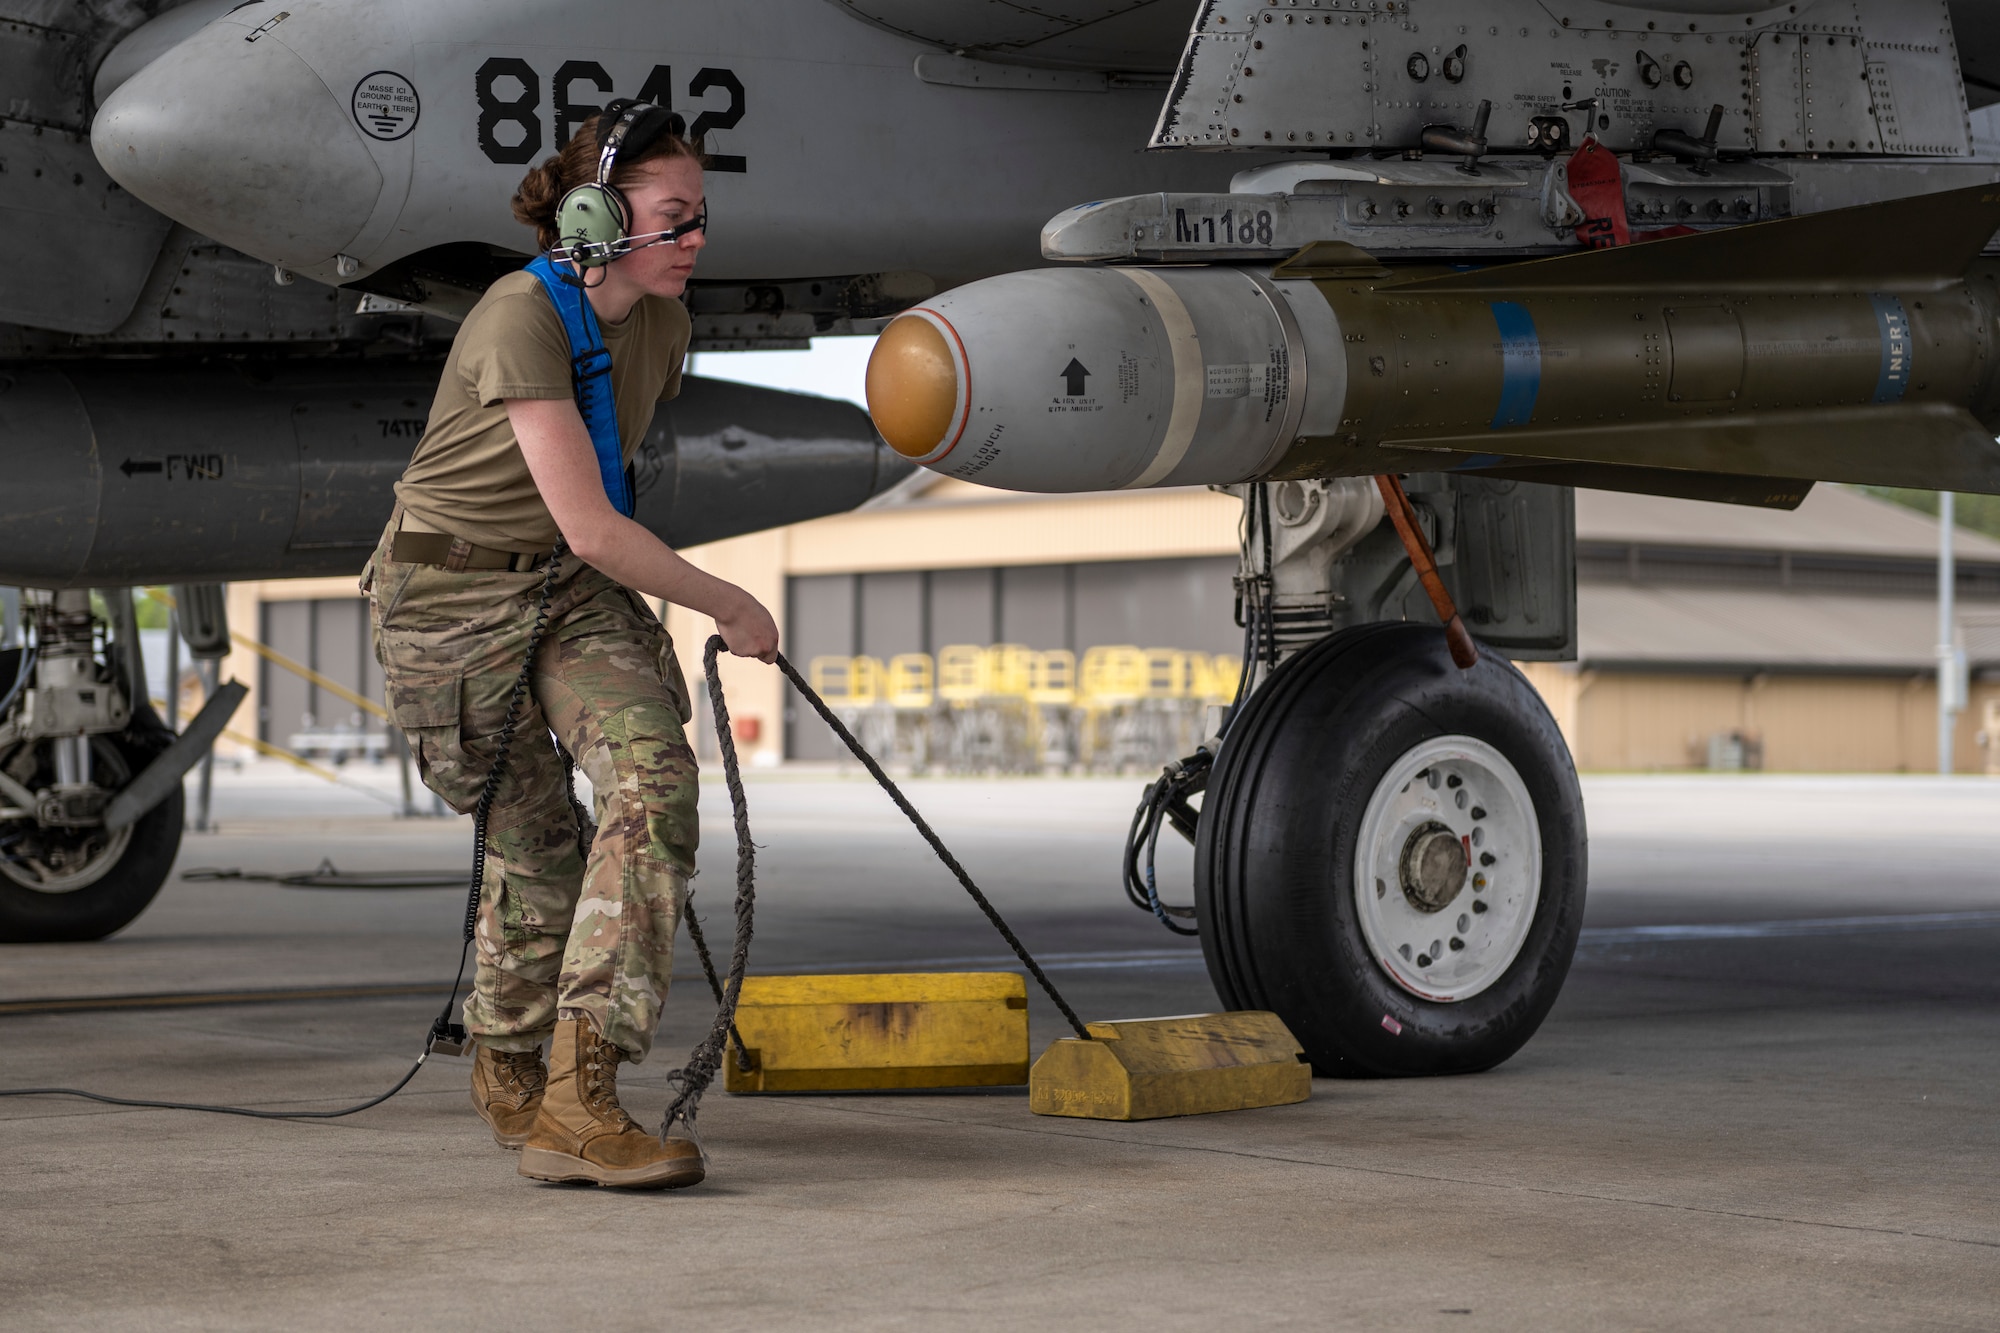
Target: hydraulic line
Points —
{"points": [[1249, 601], [1165, 800], [1270, 653], [1464, 653]]}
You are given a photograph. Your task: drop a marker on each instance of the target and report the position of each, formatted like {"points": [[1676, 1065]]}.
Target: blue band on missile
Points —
{"points": [[1893, 323], [1520, 364]]}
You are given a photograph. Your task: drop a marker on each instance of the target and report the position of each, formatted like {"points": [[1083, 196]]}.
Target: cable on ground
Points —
{"points": [[253, 1113], [329, 876]]}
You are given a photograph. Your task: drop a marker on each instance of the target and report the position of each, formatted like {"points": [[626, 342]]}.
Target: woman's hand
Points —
{"points": [[748, 629]]}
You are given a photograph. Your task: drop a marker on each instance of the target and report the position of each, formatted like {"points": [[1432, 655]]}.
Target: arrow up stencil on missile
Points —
{"points": [[1074, 374]]}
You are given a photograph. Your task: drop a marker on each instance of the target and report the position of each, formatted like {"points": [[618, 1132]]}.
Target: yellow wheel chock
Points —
{"points": [[882, 1032], [1146, 1068]]}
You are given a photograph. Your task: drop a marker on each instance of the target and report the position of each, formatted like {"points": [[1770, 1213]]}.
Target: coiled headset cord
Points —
{"points": [[693, 1078]]}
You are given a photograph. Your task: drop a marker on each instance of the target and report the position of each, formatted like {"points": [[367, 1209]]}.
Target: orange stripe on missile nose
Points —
{"points": [[965, 384]]}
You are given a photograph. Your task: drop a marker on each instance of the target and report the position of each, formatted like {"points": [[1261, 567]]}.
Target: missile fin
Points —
{"points": [[1758, 492], [1919, 243], [1934, 446]]}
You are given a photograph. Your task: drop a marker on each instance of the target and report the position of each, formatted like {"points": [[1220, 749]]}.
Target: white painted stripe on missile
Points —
{"points": [[1296, 378], [1190, 376]]}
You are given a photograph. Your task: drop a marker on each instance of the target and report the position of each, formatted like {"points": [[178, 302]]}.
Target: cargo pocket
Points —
{"points": [[427, 708]]}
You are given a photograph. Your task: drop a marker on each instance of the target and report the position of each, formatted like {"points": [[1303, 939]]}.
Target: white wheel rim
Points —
{"points": [[109, 847], [101, 859], [1457, 949]]}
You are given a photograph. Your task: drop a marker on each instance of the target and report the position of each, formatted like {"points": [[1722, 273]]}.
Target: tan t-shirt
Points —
{"points": [[467, 476]]}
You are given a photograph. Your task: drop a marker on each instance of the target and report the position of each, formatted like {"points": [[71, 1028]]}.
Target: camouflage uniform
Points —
{"points": [[557, 937]]}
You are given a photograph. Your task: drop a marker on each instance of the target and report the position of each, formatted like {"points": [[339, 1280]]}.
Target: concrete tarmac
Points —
{"points": [[1766, 1099]]}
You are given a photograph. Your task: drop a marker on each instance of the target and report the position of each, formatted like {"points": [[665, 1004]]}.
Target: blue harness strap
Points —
{"points": [[590, 376]]}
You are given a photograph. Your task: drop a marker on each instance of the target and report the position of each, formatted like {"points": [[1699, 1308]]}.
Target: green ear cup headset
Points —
{"points": [[592, 221]]}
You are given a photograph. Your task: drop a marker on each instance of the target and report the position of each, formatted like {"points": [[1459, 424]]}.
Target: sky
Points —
{"points": [[834, 368]]}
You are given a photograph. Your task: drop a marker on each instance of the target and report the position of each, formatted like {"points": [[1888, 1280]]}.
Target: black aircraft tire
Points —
{"points": [[1276, 853], [118, 894]]}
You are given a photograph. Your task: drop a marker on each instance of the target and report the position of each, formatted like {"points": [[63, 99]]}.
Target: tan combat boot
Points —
{"points": [[507, 1092], [583, 1134]]}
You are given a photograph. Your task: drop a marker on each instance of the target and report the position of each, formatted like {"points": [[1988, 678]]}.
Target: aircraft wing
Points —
{"points": [[1128, 36]]}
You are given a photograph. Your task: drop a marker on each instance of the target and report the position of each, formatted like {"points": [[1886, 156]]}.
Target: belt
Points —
{"points": [[456, 553]]}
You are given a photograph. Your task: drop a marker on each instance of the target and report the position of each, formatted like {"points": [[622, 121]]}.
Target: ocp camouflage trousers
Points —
{"points": [[557, 936]]}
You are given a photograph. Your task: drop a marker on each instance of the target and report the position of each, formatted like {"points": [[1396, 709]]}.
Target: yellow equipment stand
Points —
{"points": [[884, 1031], [1143, 1069]]}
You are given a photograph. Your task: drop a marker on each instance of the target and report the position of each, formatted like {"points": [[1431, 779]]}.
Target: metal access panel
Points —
{"points": [[1506, 549], [79, 247], [1817, 76], [1514, 575]]}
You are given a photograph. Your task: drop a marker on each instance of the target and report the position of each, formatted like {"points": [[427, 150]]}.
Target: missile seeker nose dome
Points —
{"points": [[1078, 379], [914, 387]]}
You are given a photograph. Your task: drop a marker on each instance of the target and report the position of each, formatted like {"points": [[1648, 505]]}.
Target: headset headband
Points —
{"points": [[628, 126]]}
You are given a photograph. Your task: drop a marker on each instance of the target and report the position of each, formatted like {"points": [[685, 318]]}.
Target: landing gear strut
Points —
{"points": [[90, 794], [79, 881]]}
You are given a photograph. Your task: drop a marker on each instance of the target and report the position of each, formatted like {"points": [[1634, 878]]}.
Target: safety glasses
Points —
{"points": [[699, 222], [593, 253]]}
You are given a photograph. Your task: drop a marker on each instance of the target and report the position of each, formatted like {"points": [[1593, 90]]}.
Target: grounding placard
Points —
{"points": [[385, 105]]}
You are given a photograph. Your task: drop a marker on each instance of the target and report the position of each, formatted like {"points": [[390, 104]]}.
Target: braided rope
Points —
{"points": [[691, 1080], [714, 982]]}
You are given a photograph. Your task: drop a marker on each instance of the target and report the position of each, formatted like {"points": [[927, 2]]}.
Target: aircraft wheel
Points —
{"points": [[65, 884], [1391, 856]]}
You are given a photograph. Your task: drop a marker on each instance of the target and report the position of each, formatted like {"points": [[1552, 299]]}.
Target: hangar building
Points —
{"points": [[1711, 635]]}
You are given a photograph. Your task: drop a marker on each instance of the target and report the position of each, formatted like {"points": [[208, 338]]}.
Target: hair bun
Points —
{"points": [[537, 197]]}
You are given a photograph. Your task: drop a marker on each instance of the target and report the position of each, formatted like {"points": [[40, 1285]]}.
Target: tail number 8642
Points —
{"points": [[508, 91]]}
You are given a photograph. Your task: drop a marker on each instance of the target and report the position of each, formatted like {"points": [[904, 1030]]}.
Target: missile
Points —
{"points": [[1856, 345], [135, 473]]}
